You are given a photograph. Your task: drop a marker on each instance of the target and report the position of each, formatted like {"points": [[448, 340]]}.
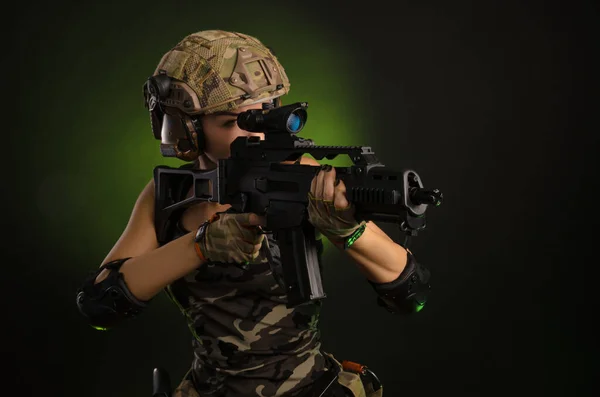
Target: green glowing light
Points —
{"points": [[355, 236], [99, 328]]}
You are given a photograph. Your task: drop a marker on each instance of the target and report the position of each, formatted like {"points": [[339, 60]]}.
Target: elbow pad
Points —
{"points": [[108, 302], [408, 293]]}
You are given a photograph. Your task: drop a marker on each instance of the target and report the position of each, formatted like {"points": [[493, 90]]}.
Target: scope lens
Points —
{"points": [[294, 123]]}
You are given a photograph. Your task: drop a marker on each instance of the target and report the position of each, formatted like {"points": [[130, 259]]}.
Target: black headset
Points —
{"points": [[156, 90]]}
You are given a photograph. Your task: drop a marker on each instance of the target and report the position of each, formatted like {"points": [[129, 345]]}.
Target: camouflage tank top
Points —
{"points": [[246, 341]]}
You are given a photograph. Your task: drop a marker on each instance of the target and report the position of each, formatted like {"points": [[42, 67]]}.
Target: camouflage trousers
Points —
{"points": [[350, 381]]}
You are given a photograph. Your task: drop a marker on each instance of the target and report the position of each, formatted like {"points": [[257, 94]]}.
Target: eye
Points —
{"points": [[229, 123]]}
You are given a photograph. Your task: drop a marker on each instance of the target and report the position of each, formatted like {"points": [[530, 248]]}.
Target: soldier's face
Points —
{"points": [[220, 129]]}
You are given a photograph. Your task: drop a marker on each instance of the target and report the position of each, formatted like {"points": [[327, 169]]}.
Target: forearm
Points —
{"points": [[147, 274], [377, 256]]}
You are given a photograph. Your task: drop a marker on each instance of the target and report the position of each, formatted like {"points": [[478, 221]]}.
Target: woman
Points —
{"points": [[246, 341]]}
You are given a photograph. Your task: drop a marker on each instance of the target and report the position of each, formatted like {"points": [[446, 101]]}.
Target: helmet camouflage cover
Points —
{"points": [[221, 71]]}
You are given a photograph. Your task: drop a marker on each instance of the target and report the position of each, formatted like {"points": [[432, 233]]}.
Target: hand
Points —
{"points": [[328, 209], [234, 238]]}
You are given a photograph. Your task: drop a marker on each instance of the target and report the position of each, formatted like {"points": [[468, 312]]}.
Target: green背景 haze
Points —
{"points": [[98, 161]]}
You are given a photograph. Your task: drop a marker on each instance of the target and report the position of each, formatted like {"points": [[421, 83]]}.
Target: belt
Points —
{"points": [[327, 385]]}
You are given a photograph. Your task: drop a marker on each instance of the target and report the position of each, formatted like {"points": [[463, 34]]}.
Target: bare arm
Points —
{"points": [[150, 268], [378, 257]]}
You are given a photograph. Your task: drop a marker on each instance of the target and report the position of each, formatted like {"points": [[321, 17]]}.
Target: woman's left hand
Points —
{"points": [[328, 209]]}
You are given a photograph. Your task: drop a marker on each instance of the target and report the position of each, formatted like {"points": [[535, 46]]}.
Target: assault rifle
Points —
{"points": [[253, 179]]}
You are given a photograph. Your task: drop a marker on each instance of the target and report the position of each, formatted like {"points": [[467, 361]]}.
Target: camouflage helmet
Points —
{"points": [[222, 71], [207, 72]]}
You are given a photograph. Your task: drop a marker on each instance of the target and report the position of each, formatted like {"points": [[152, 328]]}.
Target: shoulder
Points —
{"points": [[148, 191], [192, 165]]}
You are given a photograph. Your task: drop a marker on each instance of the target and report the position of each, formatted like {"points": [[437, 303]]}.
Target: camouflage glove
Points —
{"points": [[337, 224], [232, 238]]}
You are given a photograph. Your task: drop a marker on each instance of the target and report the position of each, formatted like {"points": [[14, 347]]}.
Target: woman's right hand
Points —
{"points": [[234, 238]]}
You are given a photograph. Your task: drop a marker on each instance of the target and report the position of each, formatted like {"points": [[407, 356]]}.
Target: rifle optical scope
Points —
{"points": [[289, 119]]}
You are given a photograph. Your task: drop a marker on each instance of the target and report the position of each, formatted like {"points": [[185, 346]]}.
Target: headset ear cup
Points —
{"points": [[200, 137], [201, 141]]}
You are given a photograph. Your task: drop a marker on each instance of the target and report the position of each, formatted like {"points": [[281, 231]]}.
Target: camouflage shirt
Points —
{"points": [[246, 341]]}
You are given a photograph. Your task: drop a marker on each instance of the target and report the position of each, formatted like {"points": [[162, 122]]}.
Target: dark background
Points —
{"points": [[489, 101]]}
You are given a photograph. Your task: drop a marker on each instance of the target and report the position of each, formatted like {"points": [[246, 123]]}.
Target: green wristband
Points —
{"points": [[351, 239]]}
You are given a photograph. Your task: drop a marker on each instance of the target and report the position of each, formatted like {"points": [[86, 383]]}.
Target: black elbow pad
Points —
{"points": [[408, 293], [108, 302]]}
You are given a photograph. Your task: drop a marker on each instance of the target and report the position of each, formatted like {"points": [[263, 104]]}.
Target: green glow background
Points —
{"points": [[102, 151], [485, 100], [93, 150]]}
